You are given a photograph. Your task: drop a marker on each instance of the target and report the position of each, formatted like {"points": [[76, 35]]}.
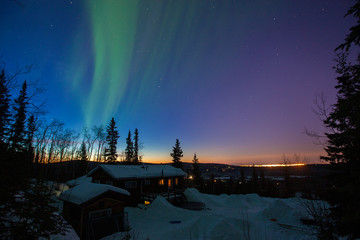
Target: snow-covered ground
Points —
{"points": [[226, 217]]}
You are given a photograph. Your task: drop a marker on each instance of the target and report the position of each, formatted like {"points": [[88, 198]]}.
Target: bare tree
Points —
{"points": [[322, 110], [100, 136]]}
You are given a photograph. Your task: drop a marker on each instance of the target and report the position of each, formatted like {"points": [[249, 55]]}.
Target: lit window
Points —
{"points": [[169, 182], [161, 182], [130, 184], [147, 203], [176, 181]]}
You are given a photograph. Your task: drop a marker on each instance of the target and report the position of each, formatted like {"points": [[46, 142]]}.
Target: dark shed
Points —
{"points": [[95, 210]]}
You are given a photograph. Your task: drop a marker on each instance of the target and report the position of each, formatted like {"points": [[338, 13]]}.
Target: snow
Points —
{"points": [[139, 171], [70, 234], [79, 180], [225, 217], [86, 191]]}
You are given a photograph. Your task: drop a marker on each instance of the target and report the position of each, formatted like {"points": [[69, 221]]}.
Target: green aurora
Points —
{"points": [[133, 52]]}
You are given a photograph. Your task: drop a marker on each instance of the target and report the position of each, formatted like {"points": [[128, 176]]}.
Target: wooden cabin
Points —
{"points": [[144, 182], [95, 210]]}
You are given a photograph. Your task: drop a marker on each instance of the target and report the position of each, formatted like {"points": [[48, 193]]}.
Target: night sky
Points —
{"points": [[235, 81]]}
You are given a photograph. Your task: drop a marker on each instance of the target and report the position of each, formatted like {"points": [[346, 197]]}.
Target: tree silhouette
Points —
{"points": [[177, 154], [343, 139], [17, 138], [111, 138], [4, 111], [196, 171], [129, 150], [137, 159]]}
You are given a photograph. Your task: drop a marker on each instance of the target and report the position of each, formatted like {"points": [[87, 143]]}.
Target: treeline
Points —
{"points": [[27, 209], [53, 142]]}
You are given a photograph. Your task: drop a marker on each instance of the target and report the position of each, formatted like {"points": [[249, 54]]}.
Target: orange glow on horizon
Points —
{"points": [[276, 165]]}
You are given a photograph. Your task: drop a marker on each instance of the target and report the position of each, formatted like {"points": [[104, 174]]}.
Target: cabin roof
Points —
{"points": [[87, 191], [78, 181], [139, 171]]}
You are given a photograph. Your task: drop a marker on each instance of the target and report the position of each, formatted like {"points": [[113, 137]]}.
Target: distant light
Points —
{"points": [[147, 203], [190, 177], [276, 165]]}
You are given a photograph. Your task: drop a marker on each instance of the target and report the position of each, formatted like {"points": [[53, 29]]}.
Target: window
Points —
{"points": [[147, 182], [161, 182], [99, 214], [130, 184], [176, 181], [109, 182], [170, 183]]}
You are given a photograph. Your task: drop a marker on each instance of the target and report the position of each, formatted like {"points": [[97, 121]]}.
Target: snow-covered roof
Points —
{"points": [[139, 171], [86, 191], [79, 180]]}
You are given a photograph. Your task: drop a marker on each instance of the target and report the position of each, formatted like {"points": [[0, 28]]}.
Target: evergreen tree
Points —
{"points": [[129, 150], [111, 138], [31, 128], [36, 215], [26, 208], [4, 111], [177, 154], [137, 159], [343, 144], [17, 138], [83, 152], [196, 171]]}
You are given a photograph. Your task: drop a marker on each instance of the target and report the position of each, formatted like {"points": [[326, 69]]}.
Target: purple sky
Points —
{"points": [[235, 81]]}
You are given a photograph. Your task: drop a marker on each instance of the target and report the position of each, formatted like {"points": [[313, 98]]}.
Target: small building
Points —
{"points": [[144, 182], [95, 210]]}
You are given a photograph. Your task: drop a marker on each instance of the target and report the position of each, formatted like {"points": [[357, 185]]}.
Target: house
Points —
{"points": [[144, 182], [95, 210]]}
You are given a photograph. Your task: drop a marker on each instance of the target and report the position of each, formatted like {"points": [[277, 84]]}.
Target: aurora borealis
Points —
{"points": [[233, 80]]}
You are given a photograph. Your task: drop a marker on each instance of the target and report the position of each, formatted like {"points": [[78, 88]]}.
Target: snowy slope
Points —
{"points": [[226, 217]]}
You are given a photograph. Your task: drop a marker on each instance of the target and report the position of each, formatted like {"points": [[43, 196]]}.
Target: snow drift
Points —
{"points": [[226, 217]]}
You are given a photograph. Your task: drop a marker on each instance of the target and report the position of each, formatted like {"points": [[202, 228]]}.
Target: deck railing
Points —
{"points": [[169, 195]]}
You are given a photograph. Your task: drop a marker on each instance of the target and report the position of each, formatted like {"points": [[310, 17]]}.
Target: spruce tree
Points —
{"points": [[137, 159], [31, 128], [177, 154], [17, 138], [129, 150], [343, 141], [111, 138], [196, 171], [4, 111], [83, 152]]}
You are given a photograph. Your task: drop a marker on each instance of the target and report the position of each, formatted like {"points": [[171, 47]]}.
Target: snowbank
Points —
{"points": [[226, 217]]}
